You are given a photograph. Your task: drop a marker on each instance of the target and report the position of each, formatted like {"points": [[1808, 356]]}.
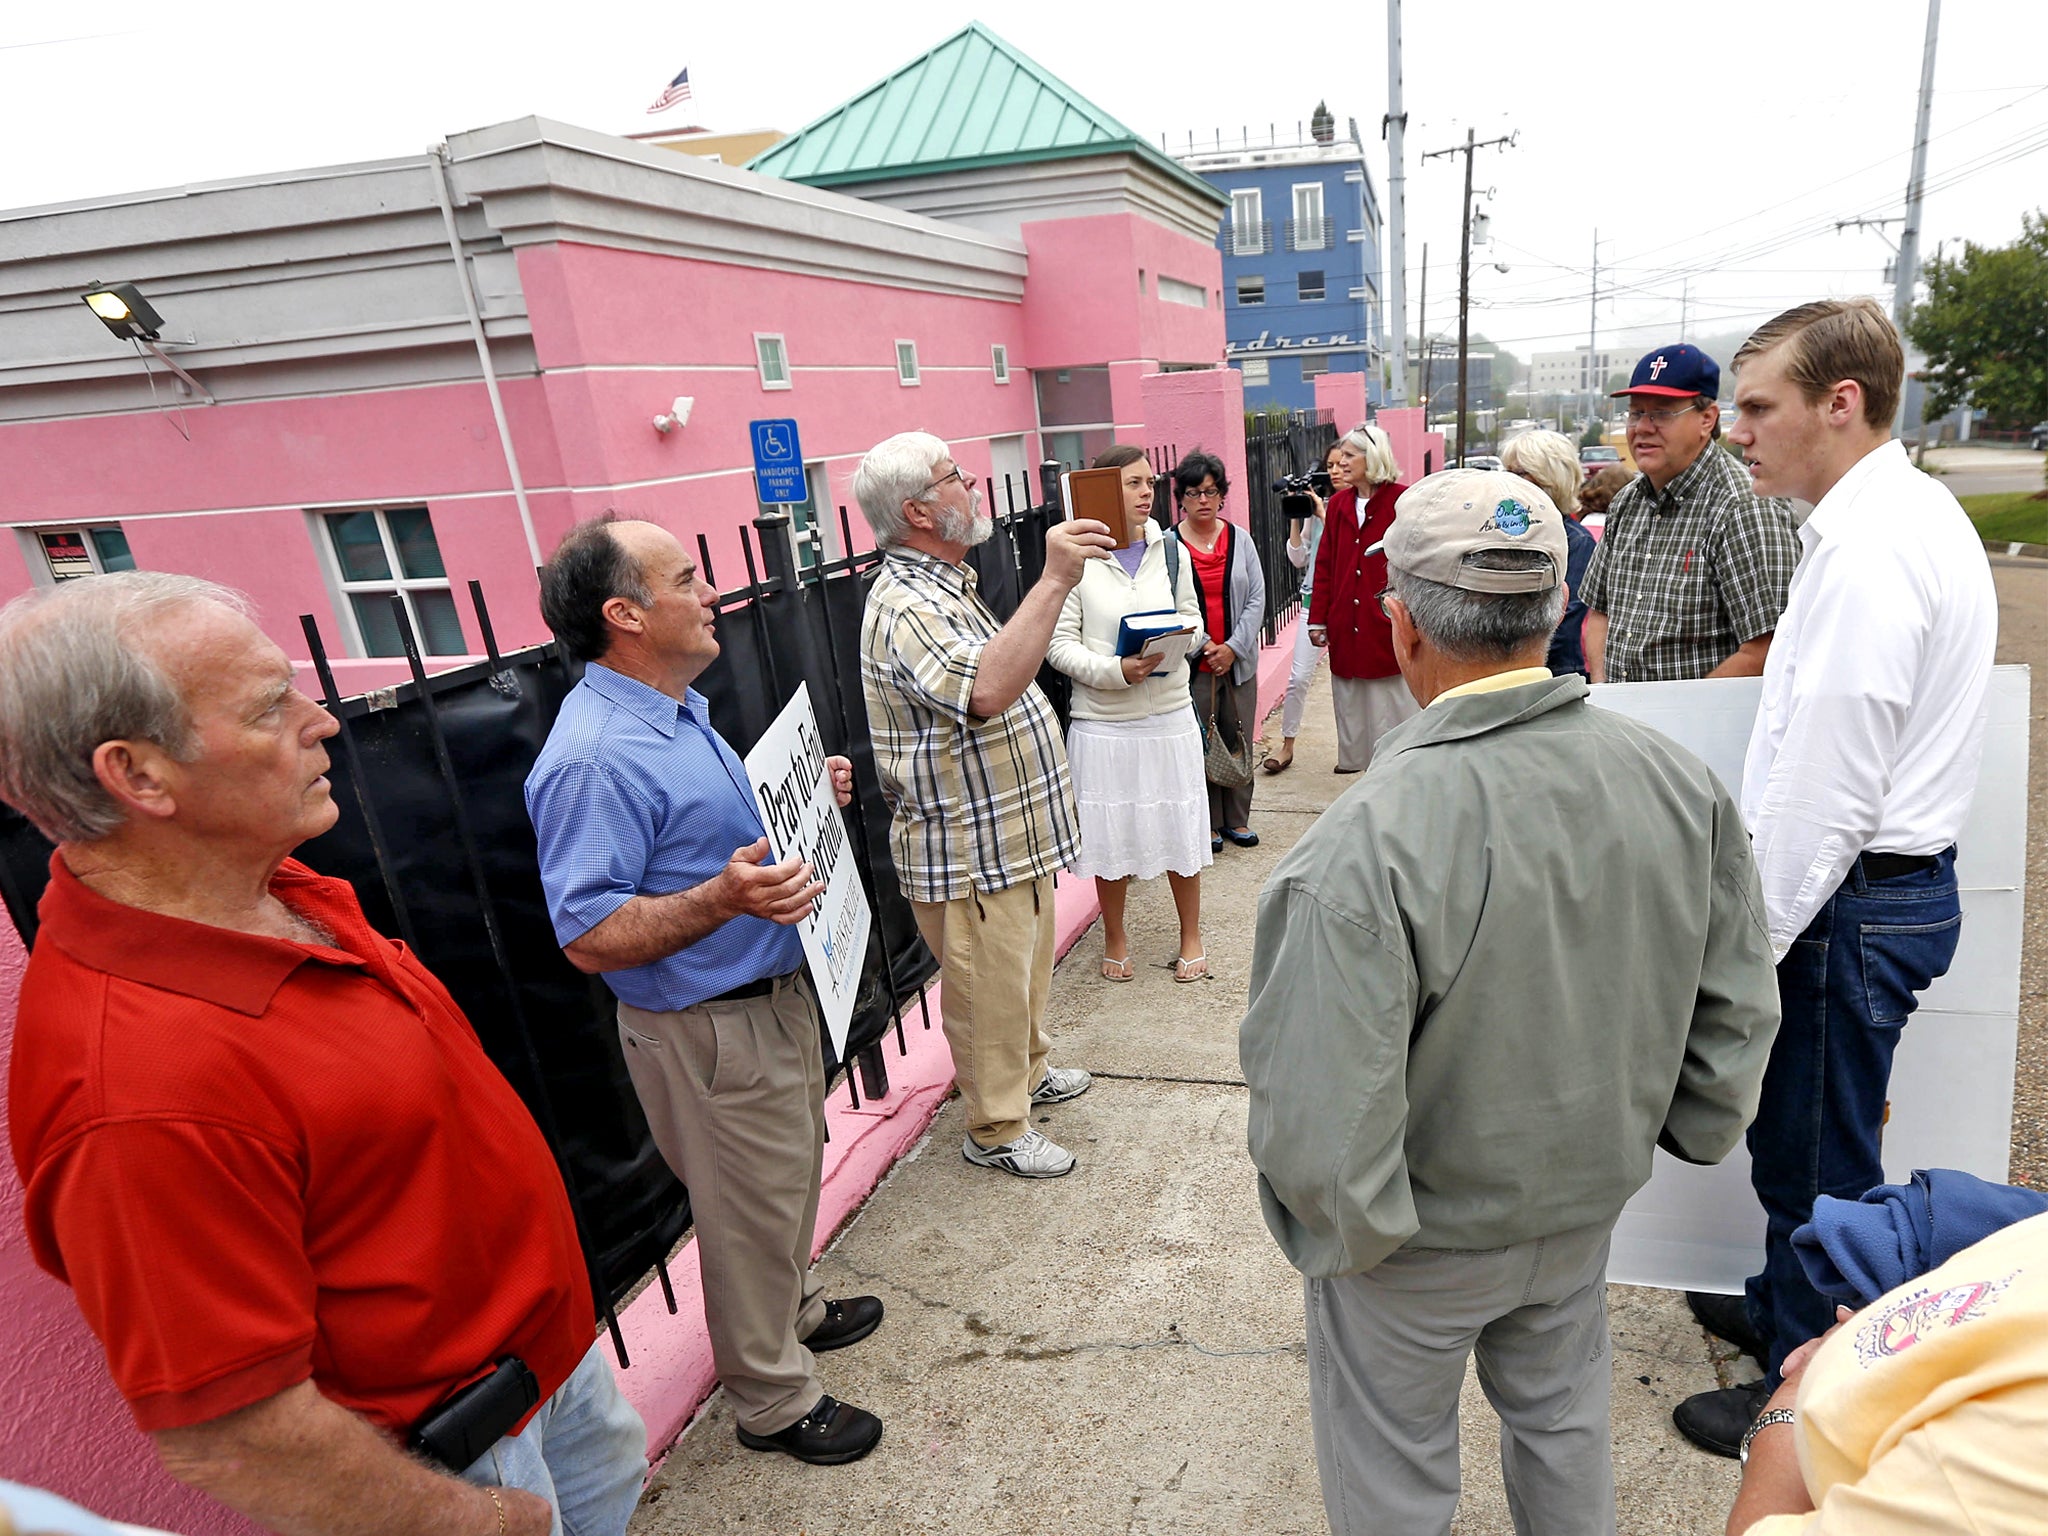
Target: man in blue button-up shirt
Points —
{"points": [[655, 863]]}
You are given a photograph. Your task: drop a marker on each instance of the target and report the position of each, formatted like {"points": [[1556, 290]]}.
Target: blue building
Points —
{"points": [[1301, 259]]}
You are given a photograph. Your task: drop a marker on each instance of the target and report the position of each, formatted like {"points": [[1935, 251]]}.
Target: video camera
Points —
{"points": [[1297, 492]]}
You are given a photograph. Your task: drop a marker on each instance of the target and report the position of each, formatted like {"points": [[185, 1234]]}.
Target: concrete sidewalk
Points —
{"points": [[1121, 1350]]}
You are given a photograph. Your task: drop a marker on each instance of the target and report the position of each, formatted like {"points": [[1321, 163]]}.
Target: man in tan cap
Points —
{"points": [[1475, 1010]]}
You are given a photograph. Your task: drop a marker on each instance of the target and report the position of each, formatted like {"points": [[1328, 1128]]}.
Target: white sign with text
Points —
{"points": [[1701, 1229], [794, 789]]}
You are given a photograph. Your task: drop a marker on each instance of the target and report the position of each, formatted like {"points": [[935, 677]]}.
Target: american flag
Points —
{"points": [[678, 90]]}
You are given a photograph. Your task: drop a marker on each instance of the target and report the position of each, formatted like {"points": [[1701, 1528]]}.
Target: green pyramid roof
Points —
{"points": [[971, 101]]}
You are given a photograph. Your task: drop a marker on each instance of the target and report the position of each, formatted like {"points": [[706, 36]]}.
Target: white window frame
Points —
{"points": [[38, 560], [1247, 236], [911, 379], [999, 362], [344, 590], [762, 340], [1321, 294], [1263, 378], [1242, 301], [1321, 358], [1315, 187]]}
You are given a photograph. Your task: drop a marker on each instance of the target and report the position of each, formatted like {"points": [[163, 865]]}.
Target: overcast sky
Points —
{"points": [[1714, 144]]}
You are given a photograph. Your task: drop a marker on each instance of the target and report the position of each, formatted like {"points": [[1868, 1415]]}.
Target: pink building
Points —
{"points": [[419, 372], [414, 373]]}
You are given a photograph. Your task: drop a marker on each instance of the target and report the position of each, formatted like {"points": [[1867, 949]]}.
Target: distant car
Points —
{"points": [[1593, 460], [1482, 461], [2040, 437]]}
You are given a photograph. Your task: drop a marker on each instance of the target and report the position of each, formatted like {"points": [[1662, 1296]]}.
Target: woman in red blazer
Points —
{"points": [[1366, 685]]}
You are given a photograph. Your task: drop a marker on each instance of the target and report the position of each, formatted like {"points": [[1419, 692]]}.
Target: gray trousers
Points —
{"points": [[1366, 709], [735, 1096], [1236, 707], [1387, 1352]]}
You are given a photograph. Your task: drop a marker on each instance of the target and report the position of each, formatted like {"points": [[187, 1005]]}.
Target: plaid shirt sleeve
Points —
{"points": [[936, 662], [1755, 549]]}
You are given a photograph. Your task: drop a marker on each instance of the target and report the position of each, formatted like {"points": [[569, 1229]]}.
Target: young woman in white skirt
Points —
{"points": [[1133, 746]]}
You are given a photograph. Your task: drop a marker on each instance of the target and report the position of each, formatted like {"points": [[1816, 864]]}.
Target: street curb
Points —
{"points": [[2023, 551]]}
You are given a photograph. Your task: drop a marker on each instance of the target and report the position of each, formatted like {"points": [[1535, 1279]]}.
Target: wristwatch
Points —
{"points": [[1764, 1421]]}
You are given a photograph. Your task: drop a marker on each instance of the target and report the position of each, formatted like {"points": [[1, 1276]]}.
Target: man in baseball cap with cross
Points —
{"points": [[1692, 569], [1475, 1012]]}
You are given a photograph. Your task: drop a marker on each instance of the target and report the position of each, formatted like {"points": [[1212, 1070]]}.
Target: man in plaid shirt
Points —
{"points": [[1692, 569], [975, 773]]}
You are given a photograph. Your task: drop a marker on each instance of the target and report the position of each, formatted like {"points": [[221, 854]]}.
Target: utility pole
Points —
{"points": [[1392, 126], [1593, 381], [1422, 334], [1684, 308], [1909, 234], [1465, 271]]}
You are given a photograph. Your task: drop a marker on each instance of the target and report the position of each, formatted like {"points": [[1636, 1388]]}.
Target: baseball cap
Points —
{"points": [[1444, 517], [1676, 371]]}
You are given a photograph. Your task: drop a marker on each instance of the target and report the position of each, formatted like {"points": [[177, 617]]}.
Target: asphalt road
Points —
{"points": [[1985, 471]]}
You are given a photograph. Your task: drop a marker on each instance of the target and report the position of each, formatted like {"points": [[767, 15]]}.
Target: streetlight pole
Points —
{"points": [[1916, 188], [1394, 125]]}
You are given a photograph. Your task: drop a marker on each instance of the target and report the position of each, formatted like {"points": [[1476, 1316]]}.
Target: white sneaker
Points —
{"points": [[1030, 1156], [1061, 1084]]}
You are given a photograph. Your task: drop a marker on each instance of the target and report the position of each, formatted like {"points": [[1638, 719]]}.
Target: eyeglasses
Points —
{"points": [[1635, 416], [1382, 595], [965, 479], [1207, 493]]}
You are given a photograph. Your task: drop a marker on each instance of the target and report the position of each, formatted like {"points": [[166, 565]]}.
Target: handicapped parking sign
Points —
{"points": [[779, 462]]}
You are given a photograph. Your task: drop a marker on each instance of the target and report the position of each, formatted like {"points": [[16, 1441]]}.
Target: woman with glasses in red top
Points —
{"points": [[1230, 582]]}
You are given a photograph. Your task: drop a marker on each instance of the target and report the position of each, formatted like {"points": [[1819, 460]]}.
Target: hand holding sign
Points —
{"points": [[781, 893], [842, 779]]}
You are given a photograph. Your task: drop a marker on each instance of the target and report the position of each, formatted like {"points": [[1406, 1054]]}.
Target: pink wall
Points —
{"points": [[1082, 300], [1411, 442], [65, 1427], [1202, 409], [1343, 396]]}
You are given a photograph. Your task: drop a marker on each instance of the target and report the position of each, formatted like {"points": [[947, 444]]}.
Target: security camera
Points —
{"points": [[677, 415]]}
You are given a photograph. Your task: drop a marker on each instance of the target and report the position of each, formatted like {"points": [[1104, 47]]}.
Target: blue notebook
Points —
{"points": [[1139, 629]]}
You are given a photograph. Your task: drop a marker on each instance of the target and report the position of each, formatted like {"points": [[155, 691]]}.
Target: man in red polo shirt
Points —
{"points": [[298, 1205]]}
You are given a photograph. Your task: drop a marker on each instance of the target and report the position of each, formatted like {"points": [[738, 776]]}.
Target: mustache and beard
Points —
{"points": [[969, 528]]}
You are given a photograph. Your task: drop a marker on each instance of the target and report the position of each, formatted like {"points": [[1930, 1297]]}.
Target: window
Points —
{"points": [[1251, 290], [813, 536], [1257, 370], [773, 360], [1173, 291], [1247, 223], [999, 360], [1309, 285], [1313, 363], [1310, 230], [378, 553], [906, 362], [73, 552], [1141, 282]]}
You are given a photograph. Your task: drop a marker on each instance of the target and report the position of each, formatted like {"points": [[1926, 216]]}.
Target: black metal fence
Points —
{"points": [[1273, 451], [433, 835]]}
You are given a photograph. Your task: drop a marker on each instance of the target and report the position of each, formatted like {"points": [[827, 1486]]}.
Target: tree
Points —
{"points": [[1594, 435], [1984, 328]]}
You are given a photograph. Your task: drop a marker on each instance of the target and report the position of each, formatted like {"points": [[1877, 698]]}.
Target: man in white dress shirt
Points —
{"points": [[1859, 777]]}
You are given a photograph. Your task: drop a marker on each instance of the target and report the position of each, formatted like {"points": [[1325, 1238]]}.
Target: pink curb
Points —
{"points": [[672, 1372]]}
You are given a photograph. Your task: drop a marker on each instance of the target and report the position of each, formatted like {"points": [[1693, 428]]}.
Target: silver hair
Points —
{"points": [[74, 673], [896, 470], [1482, 626], [1381, 468], [1548, 461]]}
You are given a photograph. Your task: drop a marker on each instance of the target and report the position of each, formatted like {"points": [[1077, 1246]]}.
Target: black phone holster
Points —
{"points": [[472, 1419]]}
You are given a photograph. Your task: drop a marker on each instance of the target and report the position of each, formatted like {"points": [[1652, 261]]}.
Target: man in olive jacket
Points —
{"points": [[1524, 950]]}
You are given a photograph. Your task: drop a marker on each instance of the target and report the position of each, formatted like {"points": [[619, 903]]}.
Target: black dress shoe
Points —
{"points": [[847, 1321], [830, 1434], [1727, 1317], [1716, 1421]]}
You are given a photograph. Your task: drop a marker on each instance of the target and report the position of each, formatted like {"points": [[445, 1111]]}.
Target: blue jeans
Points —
{"points": [[1847, 985], [584, 1451]]}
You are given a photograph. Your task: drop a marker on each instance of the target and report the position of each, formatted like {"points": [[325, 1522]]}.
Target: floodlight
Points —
{"points": [[124, 311]]}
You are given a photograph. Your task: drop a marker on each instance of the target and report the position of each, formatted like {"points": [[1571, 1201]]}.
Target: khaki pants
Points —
{"points": [[995, 966], [1366, 709], [735, 1095]]}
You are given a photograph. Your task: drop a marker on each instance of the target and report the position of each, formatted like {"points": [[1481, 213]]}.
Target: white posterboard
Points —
{"points": [[1701, 1228], [794, 789]]}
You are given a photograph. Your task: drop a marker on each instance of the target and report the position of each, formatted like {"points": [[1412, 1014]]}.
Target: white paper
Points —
{"points": [[1952, 1081], [793, 787]]}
